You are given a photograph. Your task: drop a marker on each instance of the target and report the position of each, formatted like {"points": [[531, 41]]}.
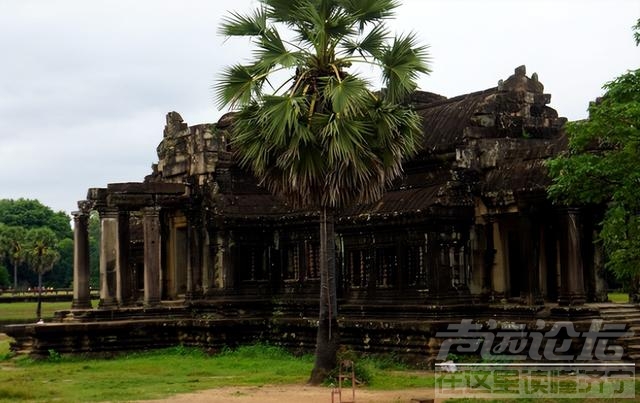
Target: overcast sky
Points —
{"points": [[85, 85]]}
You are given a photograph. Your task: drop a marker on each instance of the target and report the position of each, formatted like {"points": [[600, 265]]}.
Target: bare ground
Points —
{"points": [[293, 394]]}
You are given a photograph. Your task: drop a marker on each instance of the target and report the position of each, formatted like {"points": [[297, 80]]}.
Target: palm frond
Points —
{"points": [[271, 51], [349, 96], [402, 62], [279, 117], [285, 11], [370, 11], [236, 86], [339, 25], [244, 25], [371, 45], [326, 139]]}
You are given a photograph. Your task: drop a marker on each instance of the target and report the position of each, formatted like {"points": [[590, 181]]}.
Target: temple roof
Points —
{"points": [[491, 143], [444, 121]]}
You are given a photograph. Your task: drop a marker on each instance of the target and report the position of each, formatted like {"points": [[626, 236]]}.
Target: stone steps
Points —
{"points": [[628, 314]]}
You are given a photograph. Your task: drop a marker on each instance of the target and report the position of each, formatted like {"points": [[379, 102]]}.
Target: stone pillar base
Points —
{"points": [[152, 302], [107, 303], [81, 304], [572, 299]]}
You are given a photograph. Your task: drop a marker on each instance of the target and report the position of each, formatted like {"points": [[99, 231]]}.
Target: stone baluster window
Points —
{"points": [[356, 268], [292, 270], [416, 270], [454, 257], [386, 267], [311, 253]]}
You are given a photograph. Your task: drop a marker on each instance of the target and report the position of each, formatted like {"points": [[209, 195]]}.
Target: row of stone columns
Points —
{"points": [[115, 275], [569, 261]]}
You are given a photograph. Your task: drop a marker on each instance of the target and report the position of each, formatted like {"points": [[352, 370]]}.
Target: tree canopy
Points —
{"points": [[29, 213], [17, 218], [12, 247], [323, 139], [602, 167]]}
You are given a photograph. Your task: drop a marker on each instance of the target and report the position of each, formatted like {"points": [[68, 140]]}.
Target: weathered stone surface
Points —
{"points": [[146, 188], [468, 224]]}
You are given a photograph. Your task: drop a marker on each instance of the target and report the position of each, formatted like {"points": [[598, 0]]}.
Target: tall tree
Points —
{"points": [[41, 255], [323, 139], [602, 167], [30, 213], [12, 240]]}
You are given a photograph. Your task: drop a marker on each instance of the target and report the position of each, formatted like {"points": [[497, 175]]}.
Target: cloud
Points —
{"points": [[85, 85]]}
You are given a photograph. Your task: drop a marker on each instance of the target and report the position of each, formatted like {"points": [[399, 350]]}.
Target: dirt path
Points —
{"points": [[292, 394]]}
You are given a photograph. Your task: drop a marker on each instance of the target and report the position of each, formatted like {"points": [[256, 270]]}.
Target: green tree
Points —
{"points": [[12, 242], [30, 214], [602, 167], [62, 273], [5, 279], [94, 250], [33, 214], [323, 139], [41, 255]]}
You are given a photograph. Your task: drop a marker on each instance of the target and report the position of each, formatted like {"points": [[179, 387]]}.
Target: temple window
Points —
{"points": [[386, 267], [416, 270], [311, 255], [356, 268]]}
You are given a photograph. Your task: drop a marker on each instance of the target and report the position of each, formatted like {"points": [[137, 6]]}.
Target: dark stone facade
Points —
{"points": [[199, 253]]}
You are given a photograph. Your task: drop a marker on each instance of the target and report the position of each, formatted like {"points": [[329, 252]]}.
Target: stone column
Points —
{"points": [[81, 290], [152, 251], [224, 276], [124, 286], [109, 256], [207, 272], [438, 270], [194, 258], [530, 250], [499, 273], [571, 267]]}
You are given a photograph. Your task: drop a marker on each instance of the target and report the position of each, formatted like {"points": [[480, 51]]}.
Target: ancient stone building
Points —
{"points": [[467, 231]]}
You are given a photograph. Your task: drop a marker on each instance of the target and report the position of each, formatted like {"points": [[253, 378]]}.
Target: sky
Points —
{"points": [[85, 85]]}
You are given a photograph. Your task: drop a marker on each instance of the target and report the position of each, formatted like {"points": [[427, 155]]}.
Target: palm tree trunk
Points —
{"points": [[39, 308], [15, 276], [327, 340]]}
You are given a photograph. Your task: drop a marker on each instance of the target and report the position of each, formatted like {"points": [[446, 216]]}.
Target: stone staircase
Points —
{"points": [[630, 315]]}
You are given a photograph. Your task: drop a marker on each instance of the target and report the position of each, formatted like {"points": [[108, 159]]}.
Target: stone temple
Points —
{"points": [[199, 254]]}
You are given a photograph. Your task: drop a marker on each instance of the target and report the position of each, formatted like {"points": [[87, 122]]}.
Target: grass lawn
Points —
{"points": [[163, 373], [619, 297], [27, 310]]}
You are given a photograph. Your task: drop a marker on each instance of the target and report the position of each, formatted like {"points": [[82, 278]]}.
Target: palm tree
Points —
{"points": [[12, 241], [322, 138], [41, 255]]}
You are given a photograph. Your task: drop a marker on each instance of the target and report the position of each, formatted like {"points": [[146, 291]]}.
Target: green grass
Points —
{"points": [[26, 311], [619, 297], [162, 373], [149, 375], [158, 374]]}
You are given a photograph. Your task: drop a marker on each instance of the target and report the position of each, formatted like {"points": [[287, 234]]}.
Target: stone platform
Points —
{"points": [[371, 330]]}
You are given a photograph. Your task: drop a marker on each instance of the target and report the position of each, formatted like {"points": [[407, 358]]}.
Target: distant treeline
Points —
{"points": [[32, 234]]}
